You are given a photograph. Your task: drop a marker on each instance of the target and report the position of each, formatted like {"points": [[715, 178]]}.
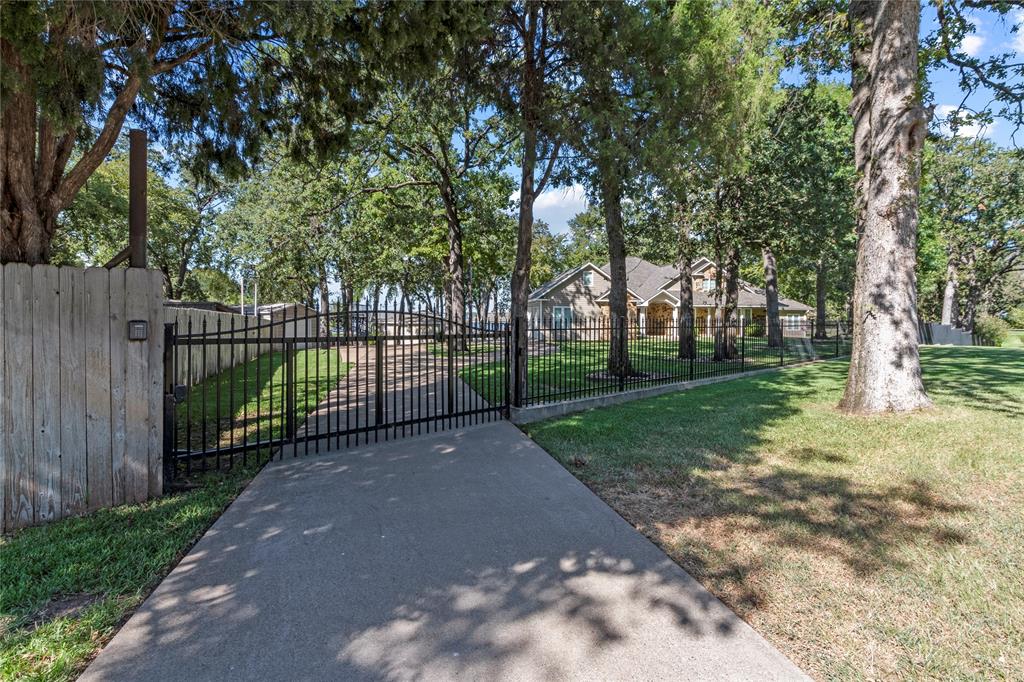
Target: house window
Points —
{"points": [[588, 278], [709, 285], [561, 316]]}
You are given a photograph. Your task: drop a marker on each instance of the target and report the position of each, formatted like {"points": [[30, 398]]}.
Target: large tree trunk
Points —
{"points": [[771, 297], [324, 319], [718, 324], [618, 306], [820, 295], [530, 111], [949, 294], [732, 301], [889, 130], [455, 284], [973, 295], [687, 343], [34, 154]]}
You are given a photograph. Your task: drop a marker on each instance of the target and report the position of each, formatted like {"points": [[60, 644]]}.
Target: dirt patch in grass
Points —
{"points": [[66, 606]]}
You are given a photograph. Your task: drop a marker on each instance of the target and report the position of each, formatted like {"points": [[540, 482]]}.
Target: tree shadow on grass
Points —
{"points": [[692, 470], [981, 378]]}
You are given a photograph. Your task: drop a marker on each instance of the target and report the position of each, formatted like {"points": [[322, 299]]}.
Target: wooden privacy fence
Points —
{"points": [[81, 406], [195, 363]]}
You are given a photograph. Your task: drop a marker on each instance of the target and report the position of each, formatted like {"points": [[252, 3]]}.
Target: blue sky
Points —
{"points": [[992, 36]]}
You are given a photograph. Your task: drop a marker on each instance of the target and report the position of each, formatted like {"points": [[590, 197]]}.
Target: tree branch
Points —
{"points": [[547, 171]]}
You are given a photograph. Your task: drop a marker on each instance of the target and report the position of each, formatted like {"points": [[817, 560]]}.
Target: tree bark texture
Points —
{"points": [[34, 187], [520, 286], [687, 342], [618, 306], [820, 295], [889, 131], [949, 294], [771, 297], [455, 285], [732, 301]]}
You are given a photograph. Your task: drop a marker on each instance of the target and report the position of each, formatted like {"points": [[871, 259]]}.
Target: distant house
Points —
{"points": [[653, 296]]}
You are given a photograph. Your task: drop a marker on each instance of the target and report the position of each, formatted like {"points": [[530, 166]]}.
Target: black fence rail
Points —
{"points": [[341, 379], [566, 361], [296, 385]]}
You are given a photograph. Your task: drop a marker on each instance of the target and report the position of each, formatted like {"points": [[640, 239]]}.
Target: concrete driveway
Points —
{"points": [[464, 555]]}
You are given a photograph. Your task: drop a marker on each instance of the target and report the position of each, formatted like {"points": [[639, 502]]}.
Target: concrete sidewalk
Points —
{"points": [[464, 555]]}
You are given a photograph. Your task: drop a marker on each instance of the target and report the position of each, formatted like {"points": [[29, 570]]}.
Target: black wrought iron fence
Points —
{"points": [[566, 360], [347, 378], [339, 379]]}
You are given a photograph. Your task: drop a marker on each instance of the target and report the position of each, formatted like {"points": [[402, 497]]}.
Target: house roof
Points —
{"points": [[552, 284], [645, 280]]}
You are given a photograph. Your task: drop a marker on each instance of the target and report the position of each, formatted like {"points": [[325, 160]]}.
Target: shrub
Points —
{"points": [[991, 330], [1016, 317]]}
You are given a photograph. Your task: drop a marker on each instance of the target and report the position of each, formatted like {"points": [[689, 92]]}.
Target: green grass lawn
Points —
{"points": [[251, 396], [883, 547], [1014, 339], [66, 587], [567, 371]]}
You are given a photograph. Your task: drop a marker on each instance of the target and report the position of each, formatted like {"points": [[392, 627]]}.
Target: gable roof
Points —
{"points": [[562, 277], [645, 280]]}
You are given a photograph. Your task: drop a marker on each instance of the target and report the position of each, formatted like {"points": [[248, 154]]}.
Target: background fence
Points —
{"points": [[80, 405], [566, 362]]}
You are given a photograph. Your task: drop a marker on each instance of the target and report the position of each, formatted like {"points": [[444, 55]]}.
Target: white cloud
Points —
{"points": [[942, 115], [557, 206], [1018, 37], [972, 44]]}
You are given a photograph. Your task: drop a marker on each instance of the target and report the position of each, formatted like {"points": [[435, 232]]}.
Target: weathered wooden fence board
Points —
{"points": [[18, 394], [136, 390], [155, 392], [195, 363], [81, 416], [72, 390], [3, 409], [99, 472], [118, 408], [46, 390]]}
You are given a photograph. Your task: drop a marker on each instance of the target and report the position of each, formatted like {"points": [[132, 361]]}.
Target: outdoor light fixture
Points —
{"points": [[138, 330]]}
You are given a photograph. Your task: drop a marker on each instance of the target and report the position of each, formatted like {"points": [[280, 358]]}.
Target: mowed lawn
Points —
{"points": [[566, 369], [887, 547]]}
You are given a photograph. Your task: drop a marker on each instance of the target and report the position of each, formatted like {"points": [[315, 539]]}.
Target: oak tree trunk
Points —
{"points": [[820, 295], [949, 295], [530, 101], [889, 131], [732, 301], [718, 324], [35, 185], [687, 343], [618, 307], [455, 284], [324, 327], [771, 297]]}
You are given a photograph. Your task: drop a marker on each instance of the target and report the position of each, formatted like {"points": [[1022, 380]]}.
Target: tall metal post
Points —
{"points": [[137, 198], [169, 406], [378, 370], [289, 390], [517, 360]]}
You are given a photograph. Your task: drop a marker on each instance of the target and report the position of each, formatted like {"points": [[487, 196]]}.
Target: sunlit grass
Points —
{"points": [[564, 369], [251, 398], [864, 547]]}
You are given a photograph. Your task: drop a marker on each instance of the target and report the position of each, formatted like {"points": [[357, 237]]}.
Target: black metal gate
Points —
{"points": [[236, 390]]}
